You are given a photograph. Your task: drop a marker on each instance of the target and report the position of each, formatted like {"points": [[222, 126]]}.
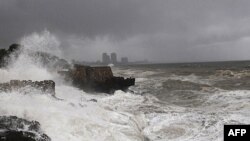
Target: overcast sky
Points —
{"points": [[157, 30]]}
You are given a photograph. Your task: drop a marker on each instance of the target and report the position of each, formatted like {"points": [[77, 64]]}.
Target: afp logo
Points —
{"points": [[236, 132]]}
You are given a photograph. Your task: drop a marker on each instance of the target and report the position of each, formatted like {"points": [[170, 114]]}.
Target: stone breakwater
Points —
{"points": [[97, 79], [46, 86]]}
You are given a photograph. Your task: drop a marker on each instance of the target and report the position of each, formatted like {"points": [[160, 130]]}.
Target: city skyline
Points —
{"points": [[161, 31], [112, 59]]}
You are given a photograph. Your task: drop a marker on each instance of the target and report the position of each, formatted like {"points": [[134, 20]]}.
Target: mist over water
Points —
{"points": [[43, 42], [174, 103], [29, 67]]}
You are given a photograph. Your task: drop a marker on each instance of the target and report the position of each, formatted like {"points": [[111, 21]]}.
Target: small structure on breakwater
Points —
{"points": [[98, 79]]}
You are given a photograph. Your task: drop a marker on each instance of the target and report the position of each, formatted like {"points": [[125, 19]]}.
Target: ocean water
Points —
{"points": [[190, 101], [170, 102]]}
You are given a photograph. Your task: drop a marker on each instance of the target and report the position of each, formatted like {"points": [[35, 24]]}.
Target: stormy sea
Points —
{"points": [[169, 102]]}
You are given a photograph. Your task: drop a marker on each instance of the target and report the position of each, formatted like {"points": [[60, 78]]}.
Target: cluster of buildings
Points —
{"points": [[112, 59]]}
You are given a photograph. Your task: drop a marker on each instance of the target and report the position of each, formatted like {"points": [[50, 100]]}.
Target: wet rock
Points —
{"points": [[93, 100], [46, 86], [46, 59], [13, 128], [13, 47], [98, 79], [5, 54]]}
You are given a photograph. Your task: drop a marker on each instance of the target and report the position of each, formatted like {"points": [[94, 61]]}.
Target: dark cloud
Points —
{"points": [[159, 30]]}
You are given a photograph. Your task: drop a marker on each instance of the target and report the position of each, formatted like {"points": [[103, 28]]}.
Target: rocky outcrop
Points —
{"points": [[5, 54], [13, 128], [46, 86], [99, 79], [46, 59]]}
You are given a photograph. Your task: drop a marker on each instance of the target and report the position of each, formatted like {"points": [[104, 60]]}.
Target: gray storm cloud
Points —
{"points": [[158, 30]]}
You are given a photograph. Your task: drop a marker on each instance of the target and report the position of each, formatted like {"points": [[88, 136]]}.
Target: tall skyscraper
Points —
{"points": [[113, 58], [124, 60], [105, 58]]}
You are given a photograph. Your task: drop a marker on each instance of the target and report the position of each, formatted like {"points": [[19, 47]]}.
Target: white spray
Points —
{"points": [[74, 117]]}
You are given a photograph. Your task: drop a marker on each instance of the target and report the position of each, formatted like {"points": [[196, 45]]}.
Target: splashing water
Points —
{"points": [[42, 42], [74, 117], [28, 67]]}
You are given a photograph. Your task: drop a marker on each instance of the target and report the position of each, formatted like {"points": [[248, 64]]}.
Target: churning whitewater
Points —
{"points": [[167, 103], [71, 115]]}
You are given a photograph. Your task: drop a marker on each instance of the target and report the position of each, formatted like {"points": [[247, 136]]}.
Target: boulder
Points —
{"points": [[46, 86], [98, 79], [13, 128], [5, 54]]}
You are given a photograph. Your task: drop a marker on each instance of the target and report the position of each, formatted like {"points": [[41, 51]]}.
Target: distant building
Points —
{"points": [[113, 58], [124, 60], [105, 58]]}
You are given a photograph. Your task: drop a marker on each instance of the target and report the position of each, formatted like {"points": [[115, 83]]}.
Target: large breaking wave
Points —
{"points": [[74, 115]]}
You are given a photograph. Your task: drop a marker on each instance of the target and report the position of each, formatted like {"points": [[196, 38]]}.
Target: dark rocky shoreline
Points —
{"points": [[13, 128], [87, 78], [94, 79]]}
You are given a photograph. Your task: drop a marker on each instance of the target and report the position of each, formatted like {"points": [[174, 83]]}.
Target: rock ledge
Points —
{"points": [[46, 86]]}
